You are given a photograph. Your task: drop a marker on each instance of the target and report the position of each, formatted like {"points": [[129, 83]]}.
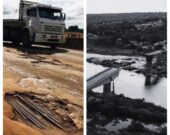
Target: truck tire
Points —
{"points": [[5, 33], [15, 42], [26, 39], [53, 46]]}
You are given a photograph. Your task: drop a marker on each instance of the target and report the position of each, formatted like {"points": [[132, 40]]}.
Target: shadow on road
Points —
{"points": [[36, 49]]}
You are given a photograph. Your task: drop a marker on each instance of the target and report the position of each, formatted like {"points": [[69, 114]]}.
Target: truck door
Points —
{"points": [[32, 20]]}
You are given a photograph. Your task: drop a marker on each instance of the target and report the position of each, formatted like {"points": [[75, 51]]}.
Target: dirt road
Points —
{"points": [[41, 70]]}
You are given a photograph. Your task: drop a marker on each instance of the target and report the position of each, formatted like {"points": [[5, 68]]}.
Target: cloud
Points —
{"points": [[9, 11], [72, 8], [80, 11], [6, 11], [123, 6], [70, 18]]}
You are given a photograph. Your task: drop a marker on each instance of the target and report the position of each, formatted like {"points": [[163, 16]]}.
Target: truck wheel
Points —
{"points": [[15, 42], [26, 39], [53, 46]]}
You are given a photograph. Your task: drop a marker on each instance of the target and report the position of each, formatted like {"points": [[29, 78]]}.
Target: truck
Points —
{"points": [[37, 24]]}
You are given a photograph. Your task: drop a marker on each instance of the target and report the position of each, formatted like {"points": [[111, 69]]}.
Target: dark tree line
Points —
{"points": [[74, 29], [128, 32]]}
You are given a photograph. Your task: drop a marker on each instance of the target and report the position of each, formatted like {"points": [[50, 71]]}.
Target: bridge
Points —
{"points": [[104, 78], [149, 62]]}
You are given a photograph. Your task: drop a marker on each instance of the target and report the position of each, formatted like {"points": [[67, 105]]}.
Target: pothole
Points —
{"points": [[45, 111]]}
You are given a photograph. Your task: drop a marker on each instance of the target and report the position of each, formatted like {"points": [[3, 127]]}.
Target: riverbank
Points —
{"points": [[119, 106], [92, 47], [131, 63]]}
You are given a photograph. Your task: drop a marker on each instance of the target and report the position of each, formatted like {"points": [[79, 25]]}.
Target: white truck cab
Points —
{"points": [[44, 24]]}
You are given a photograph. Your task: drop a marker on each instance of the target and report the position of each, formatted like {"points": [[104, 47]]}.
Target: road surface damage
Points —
{"points": [[43, 111], [49, 79]]}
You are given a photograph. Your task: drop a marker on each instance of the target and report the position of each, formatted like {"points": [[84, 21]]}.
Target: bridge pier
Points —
{"points": [[113, 87], [149, 57], [148, 80], [149, 64], [148, 70], [107, 89]]}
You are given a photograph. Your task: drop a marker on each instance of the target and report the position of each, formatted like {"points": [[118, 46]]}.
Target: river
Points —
{"points": [[132, 84]]}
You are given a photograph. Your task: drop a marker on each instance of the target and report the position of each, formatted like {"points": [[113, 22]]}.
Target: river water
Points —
{"points": [[132, 84]]}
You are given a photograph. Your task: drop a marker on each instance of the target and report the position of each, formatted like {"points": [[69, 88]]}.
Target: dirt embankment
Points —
{"points": [[103, 109], [41, 70]]}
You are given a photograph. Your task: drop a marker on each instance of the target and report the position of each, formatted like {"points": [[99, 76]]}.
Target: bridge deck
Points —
{"points": [[102, 78], [153, 53]]}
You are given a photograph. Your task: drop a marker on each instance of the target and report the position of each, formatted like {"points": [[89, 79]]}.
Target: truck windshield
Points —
{"points": [[50, 13]]}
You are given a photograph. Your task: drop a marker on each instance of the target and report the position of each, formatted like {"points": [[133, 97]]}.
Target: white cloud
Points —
{"points": [[119, 6], [72, 8]]}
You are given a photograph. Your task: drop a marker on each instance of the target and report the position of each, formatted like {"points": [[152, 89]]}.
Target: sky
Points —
{"points": [[72, 8], [125, 6]]}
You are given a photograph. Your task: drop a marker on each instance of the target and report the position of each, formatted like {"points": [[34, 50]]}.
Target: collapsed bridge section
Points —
{"points": [[104, 78], [149, 64]]}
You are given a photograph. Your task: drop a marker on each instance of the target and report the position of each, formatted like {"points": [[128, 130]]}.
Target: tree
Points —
{"points": [[74, 29]]}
